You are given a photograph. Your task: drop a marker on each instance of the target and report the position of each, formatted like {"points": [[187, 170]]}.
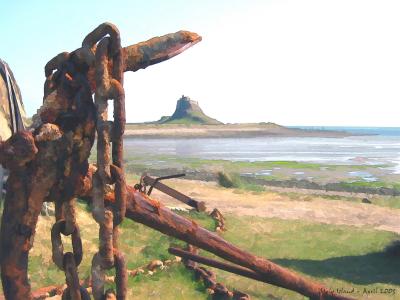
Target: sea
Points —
{"points": [[368, 146]]}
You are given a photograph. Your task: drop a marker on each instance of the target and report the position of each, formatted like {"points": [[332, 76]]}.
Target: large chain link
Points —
{"points": [[108, 87], [68, 262]]}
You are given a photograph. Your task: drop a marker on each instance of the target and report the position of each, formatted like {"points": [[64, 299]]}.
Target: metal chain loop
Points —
{"points": [[64, 205], [108, 87], [58, 248], [83, 292], [74, 290], [69, 261]]}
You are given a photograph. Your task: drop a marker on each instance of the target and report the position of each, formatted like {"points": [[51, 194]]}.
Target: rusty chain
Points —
{"points": [[69, 261], [65, 203], [108, 87], [102, 49]]}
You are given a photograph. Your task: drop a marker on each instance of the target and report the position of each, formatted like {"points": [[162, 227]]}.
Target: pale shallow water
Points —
{"points": [[366, 176], [354, 150]]}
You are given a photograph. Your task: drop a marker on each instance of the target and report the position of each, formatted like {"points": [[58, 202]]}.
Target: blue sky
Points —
{"points": [[289, 62]]}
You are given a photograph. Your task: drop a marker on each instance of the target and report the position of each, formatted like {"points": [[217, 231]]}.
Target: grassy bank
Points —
{"points": [[338, 256]]}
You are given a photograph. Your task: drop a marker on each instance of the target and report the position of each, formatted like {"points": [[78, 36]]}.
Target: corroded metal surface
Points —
{"points": [[193, 256], [198, 205], [219, 220], [218, 290], [151, 213], [46, 164], [109, 86], [50, 163], [158, 49]]}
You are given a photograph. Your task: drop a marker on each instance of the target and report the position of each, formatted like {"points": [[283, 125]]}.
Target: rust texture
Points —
{"points": [[193, 256], [142, 209], [49, 163], [109, 86], [219, 220], [198, 205], [158, 49], [218, 290]]}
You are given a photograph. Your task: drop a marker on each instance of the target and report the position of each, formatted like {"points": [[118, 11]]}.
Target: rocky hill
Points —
{"points": [[188, 112], [189, 121]]}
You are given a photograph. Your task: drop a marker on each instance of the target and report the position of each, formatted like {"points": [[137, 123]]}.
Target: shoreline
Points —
{"points": [[225, 131], [292, 184]]}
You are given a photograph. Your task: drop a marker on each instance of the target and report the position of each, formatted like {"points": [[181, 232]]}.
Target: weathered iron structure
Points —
{"points": [[49, 163]]}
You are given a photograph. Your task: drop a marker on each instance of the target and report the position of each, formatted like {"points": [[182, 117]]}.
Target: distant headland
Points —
{"points": [[188, 112], [189, 121]]}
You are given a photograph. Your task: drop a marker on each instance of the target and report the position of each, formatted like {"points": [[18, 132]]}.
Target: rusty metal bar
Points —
{"points": [[218, 290], [151, 213], [217, 264], [157, 49], [198, 205], [163, 178]]}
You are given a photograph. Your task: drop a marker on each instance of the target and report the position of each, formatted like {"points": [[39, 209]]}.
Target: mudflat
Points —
{"points": [[225, 130]]}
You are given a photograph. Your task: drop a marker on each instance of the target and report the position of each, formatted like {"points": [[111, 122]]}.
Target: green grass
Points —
{"points": [[235, 181], [241, 165], [193, 118], [174, 283], [152, 162], [185, 121], [145, 244], [234, 165], [140, 244], [373, 184], [282, 171], [338, 256]]}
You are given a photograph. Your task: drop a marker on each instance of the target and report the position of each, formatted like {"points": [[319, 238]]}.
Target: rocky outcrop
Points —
{"points": [[188, 112]]}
